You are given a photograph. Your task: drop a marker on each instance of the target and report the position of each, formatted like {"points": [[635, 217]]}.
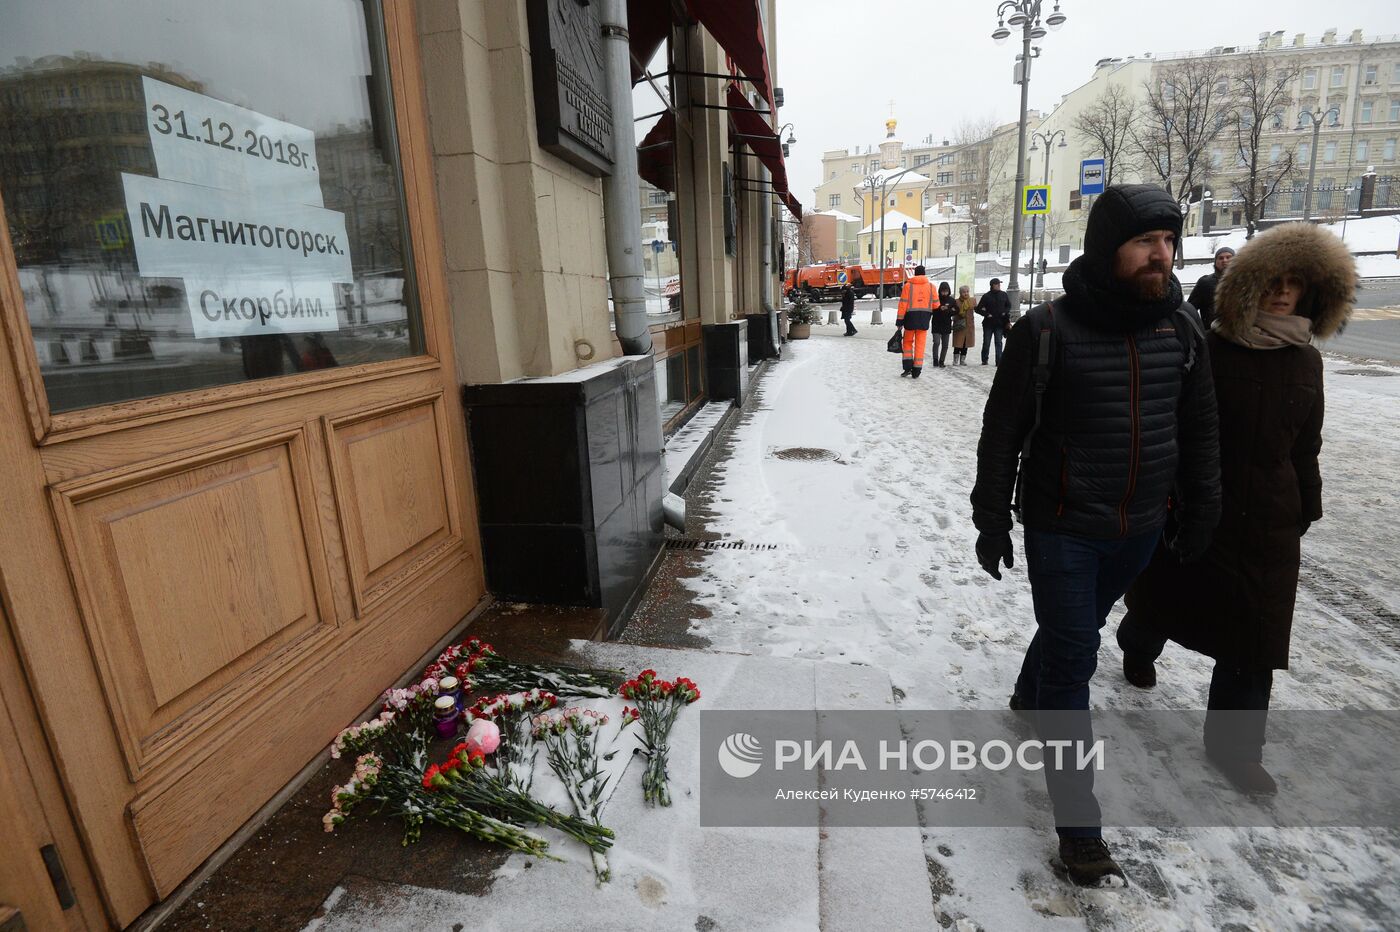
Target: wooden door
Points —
{"points": [[206, 585]]}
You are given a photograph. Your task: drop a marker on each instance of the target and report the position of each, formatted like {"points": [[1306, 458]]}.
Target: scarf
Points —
{"points": [[1271, 331]]}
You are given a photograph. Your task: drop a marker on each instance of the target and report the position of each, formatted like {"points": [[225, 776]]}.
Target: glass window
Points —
{"points": [[1339, 76], [1295, 203], [1275, 152], [834, 200], [1370, 75], [656, 165], [1309, 79], [1388, 150], [1329, 152], [670, 387], [1367, 108], [252, 226], [1395, 111], [1324, 194], [1363, 148], [1304, 151]]}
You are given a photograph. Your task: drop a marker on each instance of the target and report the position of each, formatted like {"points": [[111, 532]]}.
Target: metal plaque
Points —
{"points": [[572, 113]]}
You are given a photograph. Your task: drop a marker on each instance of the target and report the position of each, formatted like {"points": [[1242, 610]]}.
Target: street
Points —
{"points": [[865, 556]]}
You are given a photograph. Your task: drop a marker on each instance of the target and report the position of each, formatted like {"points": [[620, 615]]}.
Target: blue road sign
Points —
{"points": [[904, 229], [842, 278], [1036, 200], [657, 245], [1091, 176]]}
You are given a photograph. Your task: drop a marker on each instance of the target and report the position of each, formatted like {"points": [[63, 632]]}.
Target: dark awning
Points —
{"points": [[755, 133], [656, 155], [738, 27], [648, 25]]}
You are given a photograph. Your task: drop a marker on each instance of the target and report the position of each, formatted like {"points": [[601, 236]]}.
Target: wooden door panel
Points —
{"points": [[392, 469], [180, 823], [200, 579]]}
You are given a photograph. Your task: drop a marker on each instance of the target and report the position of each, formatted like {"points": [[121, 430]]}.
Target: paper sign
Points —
{"points": [[235, 308], [190, 231], [204, 141]]}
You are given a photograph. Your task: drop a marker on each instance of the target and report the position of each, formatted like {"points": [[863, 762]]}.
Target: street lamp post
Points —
{"points": [[1047, 140], [882, 181], [1026, 14], [1316, 115]]}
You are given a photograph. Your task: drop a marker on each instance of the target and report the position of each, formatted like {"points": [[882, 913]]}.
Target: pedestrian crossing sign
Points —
{"points": [[1036, 199]]}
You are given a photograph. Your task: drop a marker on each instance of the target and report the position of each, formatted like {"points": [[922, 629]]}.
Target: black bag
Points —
{"points": [[896, 343]]}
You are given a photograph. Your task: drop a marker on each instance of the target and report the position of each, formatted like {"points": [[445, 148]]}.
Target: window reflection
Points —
{"points": [[228, 112]]}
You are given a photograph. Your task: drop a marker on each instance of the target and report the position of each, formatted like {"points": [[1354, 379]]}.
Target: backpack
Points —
{"points": [[1042, 317]]}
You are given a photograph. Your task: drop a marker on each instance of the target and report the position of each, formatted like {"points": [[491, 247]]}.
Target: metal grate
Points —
{"points": [[690, 543], [806, 454]]}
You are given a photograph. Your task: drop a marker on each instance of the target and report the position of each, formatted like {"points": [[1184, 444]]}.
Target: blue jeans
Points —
{"points": [[1074, 583], [987, 334]]}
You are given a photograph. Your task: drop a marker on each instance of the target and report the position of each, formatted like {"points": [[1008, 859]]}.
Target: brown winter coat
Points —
{"points": [[1236, 604], [967, 336]]}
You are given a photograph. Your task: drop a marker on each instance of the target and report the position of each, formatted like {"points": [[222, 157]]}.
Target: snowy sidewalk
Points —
{"points": [[856, 482]]}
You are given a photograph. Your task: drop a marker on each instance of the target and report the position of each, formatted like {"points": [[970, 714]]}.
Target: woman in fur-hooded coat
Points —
{"points": [[1236, 604]]}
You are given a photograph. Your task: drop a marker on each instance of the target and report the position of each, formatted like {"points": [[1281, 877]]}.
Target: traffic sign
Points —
{"points": [[1036, 200], [841, 278], [1091, 176], [904, 229], [657, 245]]}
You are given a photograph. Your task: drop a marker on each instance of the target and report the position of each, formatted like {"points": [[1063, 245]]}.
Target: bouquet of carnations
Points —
{"points": [[481, 670], [658, 703], [570, 738]]}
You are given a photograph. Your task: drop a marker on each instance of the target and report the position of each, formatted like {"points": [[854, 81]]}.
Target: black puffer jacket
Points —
{"points": [[1123, 424], [1203, 298]]}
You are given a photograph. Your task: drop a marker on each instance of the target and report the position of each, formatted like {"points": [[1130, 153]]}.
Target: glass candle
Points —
{"points": [[445, 716], [448, 686]]}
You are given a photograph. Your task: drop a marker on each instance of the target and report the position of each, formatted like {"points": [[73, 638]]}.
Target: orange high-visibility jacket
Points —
{"points": [[916, 303]]}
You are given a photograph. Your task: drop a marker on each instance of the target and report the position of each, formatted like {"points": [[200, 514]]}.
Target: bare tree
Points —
{"points": [[1108, 125], [1185, 110], [979, 138], [1261, 95]]}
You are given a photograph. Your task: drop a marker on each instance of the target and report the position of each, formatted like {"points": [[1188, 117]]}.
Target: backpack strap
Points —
{"points": [[1043, 321], [1189, 332]]}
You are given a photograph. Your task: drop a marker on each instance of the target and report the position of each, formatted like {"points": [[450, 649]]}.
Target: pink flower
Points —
{"points": [[486, 735]]}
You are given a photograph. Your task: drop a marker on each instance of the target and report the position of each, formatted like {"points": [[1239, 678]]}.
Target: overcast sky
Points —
{"points": [[841, 62]]}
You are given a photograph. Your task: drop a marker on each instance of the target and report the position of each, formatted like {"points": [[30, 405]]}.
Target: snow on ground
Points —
{"points": [[875, 566]]}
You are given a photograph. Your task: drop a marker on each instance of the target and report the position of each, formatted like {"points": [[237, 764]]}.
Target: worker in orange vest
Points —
{"points": [[916, 305]]}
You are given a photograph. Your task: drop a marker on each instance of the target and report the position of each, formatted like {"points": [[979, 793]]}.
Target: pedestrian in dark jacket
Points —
{"points": [[1203, 295], [848, 308], [1288, 285], [941, 324], [995, 311], [1127, 415]]}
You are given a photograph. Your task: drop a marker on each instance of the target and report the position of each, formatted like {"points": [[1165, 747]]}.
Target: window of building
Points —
{"points": [[1076, 200], [1222, 86], [1324, 193], [833, 174], [874, 165], [1395, 74], [893, 200], [1295, 203], [1309, 79], [1363, 149], [1339, 76], [1367, 109], [1388, 150], [1215, 159], [833, 201], [1369, 75], [1329, 152], [155, 314], [1304, 151], [1275, 152], [945, 178], [1395, 111]]}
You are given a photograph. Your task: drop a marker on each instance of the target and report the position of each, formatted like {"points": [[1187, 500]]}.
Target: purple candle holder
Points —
{"points": [[445, 716]]}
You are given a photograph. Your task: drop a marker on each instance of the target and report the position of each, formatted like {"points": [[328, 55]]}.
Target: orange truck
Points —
{"points": [[823, 281]]}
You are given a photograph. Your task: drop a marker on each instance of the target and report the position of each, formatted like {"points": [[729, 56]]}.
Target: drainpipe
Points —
{"points": [[622, 201], [765, 264]]}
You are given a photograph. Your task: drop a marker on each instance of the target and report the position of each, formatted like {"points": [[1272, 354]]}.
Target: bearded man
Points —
{"points": [[1104, 405]]}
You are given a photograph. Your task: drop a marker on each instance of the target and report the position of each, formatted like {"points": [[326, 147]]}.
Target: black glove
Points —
{"points": [[1190, 542], [1303, 527], [994, 547]]}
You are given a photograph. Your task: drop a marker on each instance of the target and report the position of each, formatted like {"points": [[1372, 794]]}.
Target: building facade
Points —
{"points": [[311, 354]]}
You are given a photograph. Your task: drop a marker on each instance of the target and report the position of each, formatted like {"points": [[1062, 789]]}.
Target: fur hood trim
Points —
{"points": [[1311, 253]]}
